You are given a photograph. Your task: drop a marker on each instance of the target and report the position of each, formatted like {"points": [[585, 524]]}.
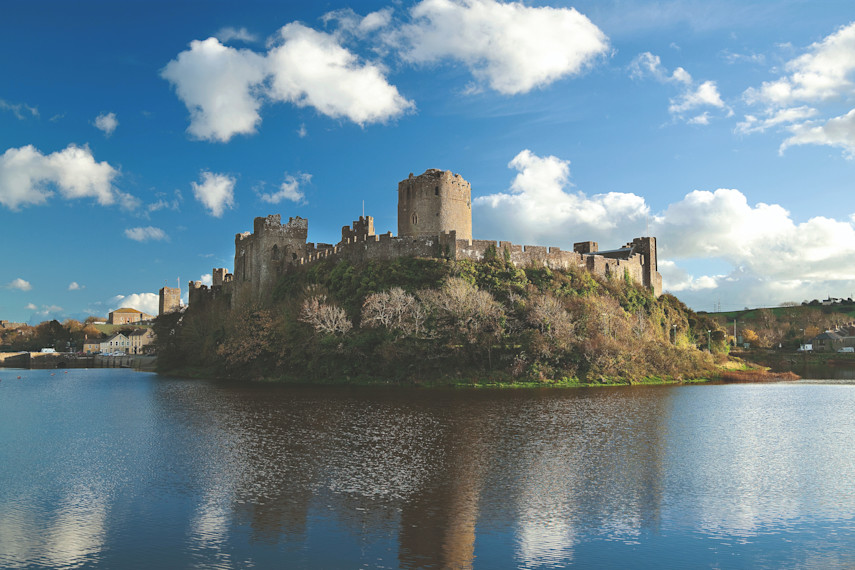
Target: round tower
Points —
{"points": [[434, 202]]}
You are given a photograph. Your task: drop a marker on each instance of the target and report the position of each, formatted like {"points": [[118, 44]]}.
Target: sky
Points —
{"points": [[137, 138]]}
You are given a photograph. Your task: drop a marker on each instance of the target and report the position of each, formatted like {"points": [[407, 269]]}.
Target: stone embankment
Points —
{"points": [[40, 360]]}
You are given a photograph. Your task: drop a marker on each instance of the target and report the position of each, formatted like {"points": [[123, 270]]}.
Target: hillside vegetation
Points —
{"points": [[431, 320]]}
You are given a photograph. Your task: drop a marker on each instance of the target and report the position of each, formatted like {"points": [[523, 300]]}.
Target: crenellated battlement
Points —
{"points": [[434, 220]]}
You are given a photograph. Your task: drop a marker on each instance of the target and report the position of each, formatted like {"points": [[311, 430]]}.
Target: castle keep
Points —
{"points": [[434, 220]]}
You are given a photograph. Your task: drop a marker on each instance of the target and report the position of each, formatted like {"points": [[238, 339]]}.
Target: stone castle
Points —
{"points": [[434, 220]]}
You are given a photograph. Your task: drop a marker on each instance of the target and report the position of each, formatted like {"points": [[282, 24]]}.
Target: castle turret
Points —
{"points": [[435, 202]]}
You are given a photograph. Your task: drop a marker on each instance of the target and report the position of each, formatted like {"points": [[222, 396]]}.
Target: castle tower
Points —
{"points": [[434, 202], [170, 300], [218, 276], [263, 255]]}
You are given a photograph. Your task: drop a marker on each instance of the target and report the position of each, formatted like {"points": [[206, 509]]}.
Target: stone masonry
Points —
{"points": [[434, 220]]}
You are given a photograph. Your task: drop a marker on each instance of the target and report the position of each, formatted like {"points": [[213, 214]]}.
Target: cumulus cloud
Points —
{"points": [[145, 302], [804, 101], [215, 192], [761, 254], [543, 209], [224, 88], [28, 177], [289, 189], [107, 123], [311, 69], [692, 96], [146, 234], [207, 279], [220, 86], [19, 284], [75, 286], [512, 47]]}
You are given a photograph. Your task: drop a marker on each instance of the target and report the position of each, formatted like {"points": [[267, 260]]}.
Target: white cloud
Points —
{"points": [[19, 284], [145, 302], [220, 86], [289, 189], [706, 94], [107, 123], [28, 177], [302, 132], [75, 286], [207, 279], [820, 79], [512, 47], [675, 279], [45, 311], [164, 204], [839, 132], [822, 73], [775, 118], [732, 57], [749, 254], [543, 211], [216, 192], [18, 109], [146, 234], [311, 69], [349, 21], [224, 88], [761, 240], [227, 34], [692, 97]]}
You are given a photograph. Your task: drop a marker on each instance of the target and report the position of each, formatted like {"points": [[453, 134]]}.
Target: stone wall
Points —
{"points": [[434, 220]]}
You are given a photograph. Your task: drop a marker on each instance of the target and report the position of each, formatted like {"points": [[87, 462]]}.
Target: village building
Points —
{"points": [[91, 346], [116, 343], [841, 339], [127, 316], [141, 341]]}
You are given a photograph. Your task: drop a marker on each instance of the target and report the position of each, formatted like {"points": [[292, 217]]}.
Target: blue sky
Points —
{"points": [[136, 138]]}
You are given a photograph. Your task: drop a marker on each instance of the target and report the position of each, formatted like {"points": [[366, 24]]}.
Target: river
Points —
{"points": [[112, 468]]}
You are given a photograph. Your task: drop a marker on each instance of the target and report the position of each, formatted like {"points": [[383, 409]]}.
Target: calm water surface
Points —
{"points": [[117, 469]]}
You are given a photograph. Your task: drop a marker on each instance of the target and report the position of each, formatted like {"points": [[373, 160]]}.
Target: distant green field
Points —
{"points": [[751, 314]]}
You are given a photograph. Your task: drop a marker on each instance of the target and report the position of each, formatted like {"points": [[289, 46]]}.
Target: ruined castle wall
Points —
{"points": [[261, 256], [434, 202]]}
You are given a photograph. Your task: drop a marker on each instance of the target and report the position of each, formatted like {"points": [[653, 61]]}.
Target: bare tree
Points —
{"points": [[324, 317], [395, 310]]}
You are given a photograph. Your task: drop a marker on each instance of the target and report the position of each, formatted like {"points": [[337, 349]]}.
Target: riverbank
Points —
{"points": [[729, 371], [60, 360]]}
